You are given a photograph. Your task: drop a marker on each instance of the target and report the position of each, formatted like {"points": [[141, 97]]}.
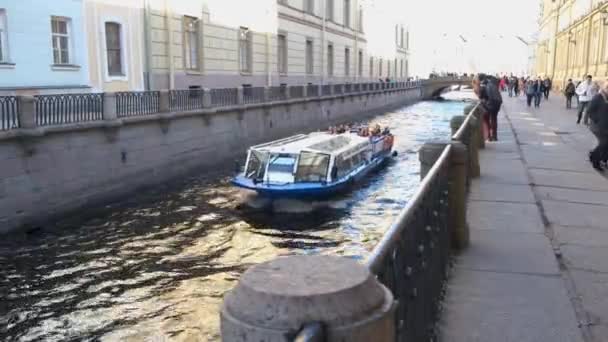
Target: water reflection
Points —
{"points": [[157, 265]]}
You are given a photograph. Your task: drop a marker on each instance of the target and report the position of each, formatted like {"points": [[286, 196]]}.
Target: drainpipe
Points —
{"points": [[147, 45], [555, 43], [169, 20], [268, 65], [323, 42]]}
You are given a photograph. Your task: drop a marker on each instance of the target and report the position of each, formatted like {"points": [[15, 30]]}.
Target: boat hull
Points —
{"points": [[311, 190]]}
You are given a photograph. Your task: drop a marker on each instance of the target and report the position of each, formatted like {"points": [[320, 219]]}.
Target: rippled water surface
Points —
{"points": [[156, 266]]}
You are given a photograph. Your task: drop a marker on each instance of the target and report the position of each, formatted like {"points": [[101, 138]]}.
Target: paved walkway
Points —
{"points": [[537, 267]]}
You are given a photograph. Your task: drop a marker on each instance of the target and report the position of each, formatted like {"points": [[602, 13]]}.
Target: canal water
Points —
{"points": [[155, 266]]}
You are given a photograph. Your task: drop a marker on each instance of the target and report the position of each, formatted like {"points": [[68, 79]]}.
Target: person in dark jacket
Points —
{"points": [[569, 92], [487, 89], [539, 89], [547, 84], [530, 90], [597, 109]]}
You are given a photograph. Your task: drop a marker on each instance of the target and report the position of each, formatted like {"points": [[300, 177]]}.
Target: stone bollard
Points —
{"points": [[240, 95], [473, 147], [457, 198], [27, 112], [273, 301], [206, 98], [481, 141], [455, 124], [428, 155]]}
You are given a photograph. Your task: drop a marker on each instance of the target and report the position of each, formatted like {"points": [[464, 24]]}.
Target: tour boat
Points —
{"points": [[318, 164]]}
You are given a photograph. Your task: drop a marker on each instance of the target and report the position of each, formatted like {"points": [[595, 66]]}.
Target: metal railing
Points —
{"points": [[68, 108], [277, 93], [296, 92], [188, 99], [412, 257], [9, 109], [312, 90], [253, 94], [326, 89], [224, 97], [136, 103], [348, 88]]}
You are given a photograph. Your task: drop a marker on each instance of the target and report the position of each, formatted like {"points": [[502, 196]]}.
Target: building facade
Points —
{"points": [[572, 40], [131, 45], [42, 47], [115, 44]]}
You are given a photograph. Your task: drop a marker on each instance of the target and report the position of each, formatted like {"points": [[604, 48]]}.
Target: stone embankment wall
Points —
{"points": [[48, 172]]}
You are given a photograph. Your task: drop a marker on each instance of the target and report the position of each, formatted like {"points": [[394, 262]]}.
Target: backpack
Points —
{"points": [[494, 100]]}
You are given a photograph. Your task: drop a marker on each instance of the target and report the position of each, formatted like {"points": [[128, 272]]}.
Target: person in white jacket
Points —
{"points": [[584, 96]]}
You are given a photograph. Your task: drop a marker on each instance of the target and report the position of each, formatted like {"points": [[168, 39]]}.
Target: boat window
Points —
{"points": [[312, 167], [256, 165], [282, 163]]}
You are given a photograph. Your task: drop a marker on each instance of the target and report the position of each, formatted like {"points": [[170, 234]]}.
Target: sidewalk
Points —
{"points": [[537, 267]]}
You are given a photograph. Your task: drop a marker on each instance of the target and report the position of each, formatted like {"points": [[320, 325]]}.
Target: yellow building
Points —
{"points": [[572, 40]]}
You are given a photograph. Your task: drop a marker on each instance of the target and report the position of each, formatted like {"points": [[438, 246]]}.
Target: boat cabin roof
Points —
{"points": [[320, 142]]}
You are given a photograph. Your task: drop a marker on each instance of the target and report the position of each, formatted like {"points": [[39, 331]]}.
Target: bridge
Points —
{"points": [[436, 86]]}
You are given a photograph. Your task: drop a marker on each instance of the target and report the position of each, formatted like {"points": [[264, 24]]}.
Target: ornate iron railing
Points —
{"points": [[296, 92], [312, 90], [326, 89], [137, 103], [253, 94], [187, 99], [9, 109], [277, 93], [68, 108], [224, 97], [348, 88]]}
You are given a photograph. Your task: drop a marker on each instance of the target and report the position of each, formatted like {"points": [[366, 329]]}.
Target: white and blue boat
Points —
{"points": [[313, 165]]}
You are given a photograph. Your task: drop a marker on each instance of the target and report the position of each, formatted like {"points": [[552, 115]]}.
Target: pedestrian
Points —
{"points": [[515, 82], [530, 92], [597, 110], [593, 90], [539, 89], [583, 90], [569, 92], [487, 89], [547, 87], [522, 86]]}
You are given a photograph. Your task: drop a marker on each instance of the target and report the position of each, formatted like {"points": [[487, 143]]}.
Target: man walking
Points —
{"points": [[547, 87], [583, 91], [539, 89], [569, 92], [598, 113]]}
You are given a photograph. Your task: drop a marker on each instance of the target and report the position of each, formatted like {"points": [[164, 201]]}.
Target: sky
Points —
{"points": [[437, 30], [490, 28]]}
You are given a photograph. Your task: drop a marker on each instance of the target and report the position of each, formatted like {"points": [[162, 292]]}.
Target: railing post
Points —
{"points": [[457, 196], [206, 98], [287, 92], [274, 300], [468, 140], [480, 136], [109, 107], [338, 89], [239, 95], [266, 95], [474, 147], [164, 104], [305, 91], [27, 111]]}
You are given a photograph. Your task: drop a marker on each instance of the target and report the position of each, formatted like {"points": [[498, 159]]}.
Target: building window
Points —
{"points": [[309, 6], [309, 57], [60, 28], [395, 67], [113, 49], [346, 62], [401, 68], [380, 67], [191, 38], [282, 53], [347, 13], [402, 38], [360, 63], [388, 68], [245, 49], [371, 67], [329, 9], [330, 60], [3, 37]]}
